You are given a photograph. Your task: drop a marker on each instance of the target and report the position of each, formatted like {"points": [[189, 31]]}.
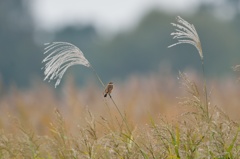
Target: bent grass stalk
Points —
{"points": [[123, 118], [63, 55], [187, 34]]}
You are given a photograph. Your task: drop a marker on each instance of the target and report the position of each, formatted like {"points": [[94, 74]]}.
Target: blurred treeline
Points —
{"points": [[139, 50]]}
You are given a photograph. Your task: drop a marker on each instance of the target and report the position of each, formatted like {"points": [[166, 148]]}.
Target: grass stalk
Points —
{"points": [[187, 34], [205, 88], [114, 103], [99, 79], [61, 56]]}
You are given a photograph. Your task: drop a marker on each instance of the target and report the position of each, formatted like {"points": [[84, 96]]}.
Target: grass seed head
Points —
{"points": [[186, 33], [61, 56]]}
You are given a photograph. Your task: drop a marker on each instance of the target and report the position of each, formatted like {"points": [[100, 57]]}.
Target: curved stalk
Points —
{"points": [[123, 118]]}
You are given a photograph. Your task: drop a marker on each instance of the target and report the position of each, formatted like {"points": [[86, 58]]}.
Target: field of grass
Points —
{"points": [[155, 116], [164, 117]]}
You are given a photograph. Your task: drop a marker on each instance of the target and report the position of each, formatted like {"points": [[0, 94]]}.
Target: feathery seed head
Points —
{"points": [[186, 33], [61, 56]]}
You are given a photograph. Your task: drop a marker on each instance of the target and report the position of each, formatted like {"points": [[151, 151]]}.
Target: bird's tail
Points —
{"points": [[105, 95]]}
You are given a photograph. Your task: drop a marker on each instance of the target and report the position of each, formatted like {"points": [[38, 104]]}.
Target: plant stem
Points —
{"points": [[205, 88], [123, 118], [99, 79]]}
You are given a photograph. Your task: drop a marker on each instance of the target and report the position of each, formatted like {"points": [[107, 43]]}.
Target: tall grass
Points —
{"points": [[63, 55], [187, 34], [67, 128]]}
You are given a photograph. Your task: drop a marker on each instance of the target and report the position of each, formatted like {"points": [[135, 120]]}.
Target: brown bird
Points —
{"points": [[108, 89]]}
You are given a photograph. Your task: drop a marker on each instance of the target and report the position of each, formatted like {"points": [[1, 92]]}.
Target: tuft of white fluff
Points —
{"points": [[61, 56], [186, 33]]}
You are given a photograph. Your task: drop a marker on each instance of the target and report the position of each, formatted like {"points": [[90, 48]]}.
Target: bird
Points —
{"points": [[108, 89]]}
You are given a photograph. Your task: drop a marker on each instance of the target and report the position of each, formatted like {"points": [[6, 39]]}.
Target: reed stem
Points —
{"points": [[205, 88], [123, 118]]}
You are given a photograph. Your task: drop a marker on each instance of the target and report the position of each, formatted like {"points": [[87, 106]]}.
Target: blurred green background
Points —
{"points": [[139, 50]]}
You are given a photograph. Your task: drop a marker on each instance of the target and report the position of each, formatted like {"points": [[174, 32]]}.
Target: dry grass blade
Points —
{"points": [[190, 85], [186, 33], [61, 56]]}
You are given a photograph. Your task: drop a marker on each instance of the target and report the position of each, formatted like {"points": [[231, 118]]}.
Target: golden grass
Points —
{"points": [[37, 123]]}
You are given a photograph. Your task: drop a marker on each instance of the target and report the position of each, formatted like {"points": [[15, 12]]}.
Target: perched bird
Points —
{"points": [[108, 89]]}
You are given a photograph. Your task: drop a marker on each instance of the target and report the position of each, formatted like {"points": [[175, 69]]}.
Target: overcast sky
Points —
{"points": [[105, 15]]}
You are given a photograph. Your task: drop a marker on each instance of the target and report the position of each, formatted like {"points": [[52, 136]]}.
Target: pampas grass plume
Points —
{"points": [[61, 56]]}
